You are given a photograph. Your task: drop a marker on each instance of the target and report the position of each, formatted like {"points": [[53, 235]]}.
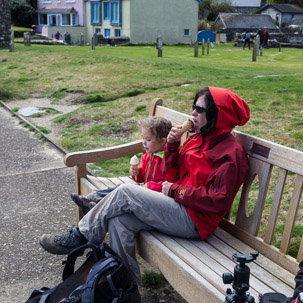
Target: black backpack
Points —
{"points": [[101, 278]]}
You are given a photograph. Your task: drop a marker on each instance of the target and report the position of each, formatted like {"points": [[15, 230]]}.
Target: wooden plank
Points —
{"points": [[106, 181], [258, 279], [279, 155], [263, 268], [263, 171], [292, 213], [116, 181], [275, 206], [187, 282], [103, 154], [96, 182], [128, 180], [271, 252]]}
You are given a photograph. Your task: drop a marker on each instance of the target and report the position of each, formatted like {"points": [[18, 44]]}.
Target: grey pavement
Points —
{"points": [[35, 186]]}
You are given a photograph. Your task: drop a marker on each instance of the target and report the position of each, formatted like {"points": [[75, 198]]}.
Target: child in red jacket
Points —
{"points": [[154, 131]]}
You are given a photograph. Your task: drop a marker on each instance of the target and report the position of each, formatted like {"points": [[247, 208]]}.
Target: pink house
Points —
{"points": [[63, 16]]}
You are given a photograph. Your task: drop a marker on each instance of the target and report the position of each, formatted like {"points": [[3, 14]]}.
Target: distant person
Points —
{"points": [[260, 32], [58, 35], [266, 36], [246, 40]]}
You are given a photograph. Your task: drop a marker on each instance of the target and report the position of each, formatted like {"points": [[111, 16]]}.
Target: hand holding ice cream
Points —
{"points": [[178, 131], [134, 167]]}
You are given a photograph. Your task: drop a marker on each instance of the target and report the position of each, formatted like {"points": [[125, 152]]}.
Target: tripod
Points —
{"points": [[240, 280]]}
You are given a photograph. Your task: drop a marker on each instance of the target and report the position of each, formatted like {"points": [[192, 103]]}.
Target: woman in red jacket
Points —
{"points": [[211, 167]]}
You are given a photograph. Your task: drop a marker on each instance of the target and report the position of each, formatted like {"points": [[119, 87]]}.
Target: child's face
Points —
{"points": [[150, 143]]}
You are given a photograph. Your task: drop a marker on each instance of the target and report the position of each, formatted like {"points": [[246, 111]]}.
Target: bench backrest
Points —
{"points": [[276, 180]]}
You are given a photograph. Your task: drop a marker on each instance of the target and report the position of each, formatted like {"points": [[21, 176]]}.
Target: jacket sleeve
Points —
{"points": [[141, 175], [228, 173], [156, 186]]}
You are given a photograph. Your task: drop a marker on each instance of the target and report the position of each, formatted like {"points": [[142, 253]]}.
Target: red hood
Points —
{"points": [[232, 110]]}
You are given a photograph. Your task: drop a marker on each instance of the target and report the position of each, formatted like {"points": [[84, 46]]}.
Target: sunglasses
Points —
{"points": [[199, 109]]}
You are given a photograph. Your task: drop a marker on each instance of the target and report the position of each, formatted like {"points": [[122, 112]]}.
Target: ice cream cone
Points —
{"points": [[134, 163], [187, 125]]}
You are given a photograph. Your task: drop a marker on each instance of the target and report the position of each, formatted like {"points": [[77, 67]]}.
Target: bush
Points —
{"points": [[23, 14]]}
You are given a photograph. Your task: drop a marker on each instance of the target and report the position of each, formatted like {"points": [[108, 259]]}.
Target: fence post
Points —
{"points": [[196, 45], [159, 46], [12, 41], [82, 40], [27, 39], [208, 42], [203, 46], [258, 44], [254, 57], [93, 42]]}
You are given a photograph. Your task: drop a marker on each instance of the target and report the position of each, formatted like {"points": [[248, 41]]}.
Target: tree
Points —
{"points": [[23, 13], [211, 8], [296, 2]]}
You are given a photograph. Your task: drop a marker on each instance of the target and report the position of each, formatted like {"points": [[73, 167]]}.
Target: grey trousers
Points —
{"points": [[128, 210]]}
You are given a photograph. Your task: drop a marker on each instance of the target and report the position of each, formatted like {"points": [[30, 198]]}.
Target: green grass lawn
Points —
{"points": [[118, 83]]}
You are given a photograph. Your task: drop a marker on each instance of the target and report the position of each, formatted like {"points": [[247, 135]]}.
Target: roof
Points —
{"points": [[283, 8], [245, 3], [56, 11], [245, 21]]}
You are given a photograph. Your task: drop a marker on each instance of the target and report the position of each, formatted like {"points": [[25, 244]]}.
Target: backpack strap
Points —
{"points": [[98, 253], [93, 277]]}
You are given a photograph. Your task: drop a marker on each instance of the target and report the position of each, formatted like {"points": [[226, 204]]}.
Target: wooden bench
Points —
{"points": [[194, 268]]}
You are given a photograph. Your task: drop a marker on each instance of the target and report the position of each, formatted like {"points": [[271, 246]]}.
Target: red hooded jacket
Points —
{"points": [[212, 168], [151, 171]]}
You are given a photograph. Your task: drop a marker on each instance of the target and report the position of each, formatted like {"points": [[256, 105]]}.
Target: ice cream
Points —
{"points": [[187, 125], [134, 163]]}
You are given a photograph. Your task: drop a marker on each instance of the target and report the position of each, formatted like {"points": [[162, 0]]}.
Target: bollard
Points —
{"points": [[93, 42], [12, 41], [82, 40], [208, 43], [258, 45], [196, 45], [261, 51], [159, 46], [27, 39], [254, 57], [203, 46]]}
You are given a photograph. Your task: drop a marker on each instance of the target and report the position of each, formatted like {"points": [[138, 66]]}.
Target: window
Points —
{"points": [[43, 19], [66, 19], [114, 12], [74, 20], [117, 32], [107, 32], [98, 30], [54, 20], [95, 12], [186, 32], [106, 11]]}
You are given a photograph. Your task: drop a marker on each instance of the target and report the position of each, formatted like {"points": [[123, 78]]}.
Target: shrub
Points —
{"points": [[22, 13]]}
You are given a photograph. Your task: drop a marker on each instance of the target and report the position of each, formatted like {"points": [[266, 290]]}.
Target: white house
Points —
{"points": [[142, 21]]}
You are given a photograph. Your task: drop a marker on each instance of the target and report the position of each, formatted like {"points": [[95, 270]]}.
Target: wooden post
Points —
{"points": [[203, 46], [208, 42], [254, 58], [95, 39], [261, 51], [12, 41], [93, 42], [27, 39], [258, 45], [82, 40], [196, 45], [159, 46]]}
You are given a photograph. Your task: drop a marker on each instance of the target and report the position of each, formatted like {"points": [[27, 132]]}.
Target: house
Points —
{"points": [[63, 16], [142, 21], [228, 24], [285, 14], [136, 21], [245, 6], [5, 22]]}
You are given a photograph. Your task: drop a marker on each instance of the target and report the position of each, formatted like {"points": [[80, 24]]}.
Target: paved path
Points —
{"points": [[35, 186]]}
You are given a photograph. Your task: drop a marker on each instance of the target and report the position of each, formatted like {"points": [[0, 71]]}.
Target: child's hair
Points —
{"points": [[158, 126]]}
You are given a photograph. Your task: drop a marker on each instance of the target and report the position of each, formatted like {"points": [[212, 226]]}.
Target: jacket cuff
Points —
{"points": [[173, 146], [172, 190]]}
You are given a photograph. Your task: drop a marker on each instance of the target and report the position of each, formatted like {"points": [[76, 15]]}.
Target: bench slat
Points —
{"points": [[290, 221], [263, 171], [274, 211], [182, 277], [96, 182]]}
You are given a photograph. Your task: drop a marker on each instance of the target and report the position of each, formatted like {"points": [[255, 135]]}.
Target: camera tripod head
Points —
{"points": [[240, 279]]}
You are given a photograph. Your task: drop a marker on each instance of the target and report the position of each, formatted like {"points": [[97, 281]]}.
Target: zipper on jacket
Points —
{"points": [[216, 189]]}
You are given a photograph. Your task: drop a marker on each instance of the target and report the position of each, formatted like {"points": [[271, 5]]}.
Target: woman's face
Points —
{"points": [[199, 118]]}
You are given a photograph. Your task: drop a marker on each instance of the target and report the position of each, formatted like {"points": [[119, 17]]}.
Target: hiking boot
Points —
{"points": [[81, 201], [63, 244]]}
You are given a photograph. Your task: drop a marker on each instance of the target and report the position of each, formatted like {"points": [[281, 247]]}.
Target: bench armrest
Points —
{"points": [[103, 154]]}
